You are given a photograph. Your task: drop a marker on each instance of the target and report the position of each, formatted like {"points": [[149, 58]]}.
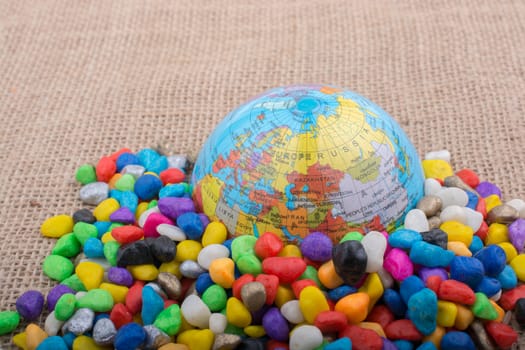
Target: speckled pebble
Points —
{"points": [[104, 332], [94, 193], [430, 205], [80, 322], [226, 341], [155, 338], [253, 295]]}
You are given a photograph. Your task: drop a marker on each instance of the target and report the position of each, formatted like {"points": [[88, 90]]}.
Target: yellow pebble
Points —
{"points": [[172, 267], [447, 312], [509, 249], [284, 294], [456, 231], [188, 250], [173, 346], [215, 233], [34, 336], [435, 337], [436, 169], [376, 327], [141, 208], [459, 248], [499, 310], [237, 314], [373, 287], [311, 302], [184, 325], [222, 272], [497, 233], [328, 276], [137, 318], [492, 201], [255, 331], [91, 274], [105, 208], [20, 340], [197, 339], [518, 265], [57, 226], [117, 292], [464, 317], [291, 250], [84, 342], [147, 272], [107, 237]]}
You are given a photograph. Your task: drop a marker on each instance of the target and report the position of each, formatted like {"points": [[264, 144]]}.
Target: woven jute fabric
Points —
{"points": [[82, 79]]}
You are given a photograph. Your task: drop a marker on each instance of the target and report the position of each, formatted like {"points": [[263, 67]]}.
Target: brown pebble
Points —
{"points": [[434, 222], [502, 214], [480, 336], [455, 181], [430, 205], [253, 295], [170, 284], [226, 341]]}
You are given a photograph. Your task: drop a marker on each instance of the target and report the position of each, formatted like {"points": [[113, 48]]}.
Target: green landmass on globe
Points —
{"points": [[307, 158]]}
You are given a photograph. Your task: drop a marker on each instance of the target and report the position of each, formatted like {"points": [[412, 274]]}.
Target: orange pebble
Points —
{"points": [[327, 275], [499, 310], [459, 248], [354, 306], [435, 337], [222, 272], [464, 317]]}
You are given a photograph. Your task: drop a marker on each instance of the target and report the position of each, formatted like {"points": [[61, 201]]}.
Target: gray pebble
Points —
{"points": [[191, 269], [502, 214], [178, 161], [455, 181], [94, 193], [430, 205], [253, 295], [170, 284], [480, 336], [434, 222], [104, 332], [226, 341], [80, 322], [155, 337], [134, 170]]}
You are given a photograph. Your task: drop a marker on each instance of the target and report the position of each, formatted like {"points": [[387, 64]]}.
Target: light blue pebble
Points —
{"points": [[340, 292], [340, 344], [69, 338], [102, 227], [129, 200], [410, 285], [159, 165], [476, 245], [508, 278], [152, 305], [94, 248], [52, 343], [403, 344], [430, 255], [404, 238], [422, 310], [191, 224], [427, 346], [175, 190], [147, 157]]}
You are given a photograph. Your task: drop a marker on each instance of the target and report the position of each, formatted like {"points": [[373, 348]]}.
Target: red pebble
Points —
{"points": [[483, 231], [382, 315], [267, 245], [105, 169], [433, 283], [186, 284], [362, 338], [134, 297], [315, 264], [402, 329], [330, 321], [457, 292], [169, 302], [172, 176], [508, 299], [299, 285], [469, 177], [276, 345], [481, 207], [287, 269], [115, 155], [120, 315], [127, 234], [503, 335], [270, 283], [239, 282]]}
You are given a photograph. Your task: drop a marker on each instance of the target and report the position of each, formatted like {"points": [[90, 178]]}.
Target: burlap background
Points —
{"points": [[80, 79]]}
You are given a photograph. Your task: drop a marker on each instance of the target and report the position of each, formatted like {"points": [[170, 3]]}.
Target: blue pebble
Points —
{"points": [[203, 282], [126, 159], [159, 165], [147, 157], [94, 248], [455, 340], [130, 337], [228, 244], [467, 270], [489, 286], [493, 259], [472, 200], [174, 190], [152, 305], [340, 344], [394, 302], [69, 338], [427, 346], [147, 187], [341, 292], [102, 227], [99, 317], [404, 238], [409, 286], [52, 343], [508, 278], [403, 344], [476, 245], [422, 310], [430, 255], [129, 200], [191, 224]]}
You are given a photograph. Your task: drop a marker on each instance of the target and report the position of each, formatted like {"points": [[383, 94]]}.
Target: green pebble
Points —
{"points": [[84, 231], [186, 186], [482, 308], [311, 274], [215, 297], [74, 283], [110, 252], [98, 300], [352, 236], [152, 204], [86, 174], [57, 267], [65, 307], [114, 225], [9, 320], [231, 329], [125, 183], [169, 320], [249, 263], [67, 246], [243, 245]]}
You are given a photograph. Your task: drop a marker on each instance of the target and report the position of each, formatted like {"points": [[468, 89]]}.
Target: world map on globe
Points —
{"points": [[307, 158]]}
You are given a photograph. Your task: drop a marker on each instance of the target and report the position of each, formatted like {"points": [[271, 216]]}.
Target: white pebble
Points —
{"points": [[94, 193], [52, 325], [374, 244], [454, 213], [80, 295], [474, 219], [416, 220], [177, 161], [386, 278], [292, 312], [305, 338], [134, 170], [519, 205], [453, 196], [218, 323], [172, 232], [144, 216], [210, 253], [195, 311], [441, 154], [496, 296], [432, 186]]}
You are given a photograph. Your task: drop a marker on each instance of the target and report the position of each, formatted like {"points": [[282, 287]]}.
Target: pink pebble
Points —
{"points": [[398, 264], [154, 220]]}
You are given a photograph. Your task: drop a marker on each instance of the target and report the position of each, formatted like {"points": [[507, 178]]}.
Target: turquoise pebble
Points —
{"points": [[147, 187], [422, 310], [102, 227], [402, 344], [69, 338], [508, 278], [152, 305], [94, 248], [117, 194], [340, 344], [175, 190], [129, 199], [404, 238], [430, 255], [147, 157], [409, 286], [159, 165], [476, 245], [53, 343], [427, 346]]}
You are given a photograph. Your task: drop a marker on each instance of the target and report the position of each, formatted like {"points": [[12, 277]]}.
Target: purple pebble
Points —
{"points": [[257, 316], [317, 247], [122, 215], [275, 325], [426, 272], [173, 207], [517, 234], [120, 276], [486, 189], [388, 344], [30, 304], [204, 219], [55, 294]]}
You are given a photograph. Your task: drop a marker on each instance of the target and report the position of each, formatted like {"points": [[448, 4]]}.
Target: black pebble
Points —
{"points": [[84, 215], [163, 249], [436, 236], [519, 312], [251, 344], [136, 253], [350, 261]]}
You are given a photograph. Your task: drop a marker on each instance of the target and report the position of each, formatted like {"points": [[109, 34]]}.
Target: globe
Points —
{"points": [[307, 158]]}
